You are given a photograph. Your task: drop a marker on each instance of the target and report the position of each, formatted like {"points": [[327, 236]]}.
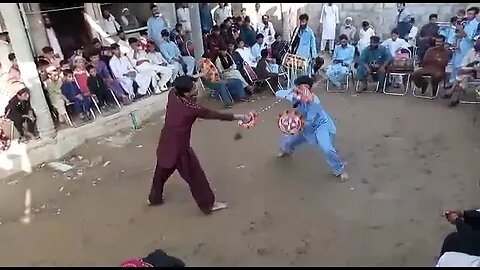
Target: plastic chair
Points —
{"points": [[415, 89], [408, 73], [253, 77]]}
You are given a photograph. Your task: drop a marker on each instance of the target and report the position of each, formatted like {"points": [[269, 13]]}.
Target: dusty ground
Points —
{"points": [[409, 159]]}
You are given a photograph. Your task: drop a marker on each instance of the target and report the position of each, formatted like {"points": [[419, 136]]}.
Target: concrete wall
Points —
{"points": [[380, 15]]}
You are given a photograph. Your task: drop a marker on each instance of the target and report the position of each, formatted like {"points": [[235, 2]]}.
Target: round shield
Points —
{"points": [[291, 122], [253, 120]]}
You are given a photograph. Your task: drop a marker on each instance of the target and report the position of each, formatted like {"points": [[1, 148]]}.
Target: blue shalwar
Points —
{"points": [[319, 130], [307, 47], [70, 90], [380, 55], [342, 59], [171, 52], [466, 44]]}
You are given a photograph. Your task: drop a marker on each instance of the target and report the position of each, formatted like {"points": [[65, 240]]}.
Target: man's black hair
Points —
{"points": [[342, 37], [47, 49], [433, 15], [264, 53], [259, 36], [394, 31], [11, 56], [183, 84], [277, 35], [474, 9], [152, 6], [165, 33], [132, 40], [114, 46], [89, 67], [442, 37], [375, 39], [303, 17], [304, 79]]}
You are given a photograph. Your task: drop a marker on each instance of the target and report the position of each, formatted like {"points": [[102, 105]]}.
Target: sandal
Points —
{"points": [[219, 206]]}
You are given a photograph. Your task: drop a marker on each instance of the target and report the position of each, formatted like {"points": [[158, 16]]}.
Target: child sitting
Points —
{"points": [[97, 86], [21, 113], [70, 90], [81, 76]]}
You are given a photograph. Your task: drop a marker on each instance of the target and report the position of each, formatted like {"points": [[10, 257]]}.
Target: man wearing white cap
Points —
{"points": [[128, 20]]}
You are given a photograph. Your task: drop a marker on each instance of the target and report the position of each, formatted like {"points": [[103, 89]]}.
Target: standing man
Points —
{"points": [[205, 18], [257, 18], [403, 20], [425, 36], [128, 20], [221, 14], [329, 20], [304, 43], [109, 23], [155, 25], [52, 37], [183, 17], [465, 36], [266, 29], [5, 50]]}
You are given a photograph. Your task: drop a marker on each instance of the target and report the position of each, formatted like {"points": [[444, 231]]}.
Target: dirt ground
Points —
{"points": [[409, 159]]}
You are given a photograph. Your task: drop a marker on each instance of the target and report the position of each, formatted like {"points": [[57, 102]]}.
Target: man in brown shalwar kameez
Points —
{"points": [[174, 151], [434, 63]]}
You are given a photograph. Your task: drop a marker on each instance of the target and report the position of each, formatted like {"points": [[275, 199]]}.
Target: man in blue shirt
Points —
{"points": [[319, 127], [206, 19], [342, 60], [156, 24], [373, 61], [171, 53]]}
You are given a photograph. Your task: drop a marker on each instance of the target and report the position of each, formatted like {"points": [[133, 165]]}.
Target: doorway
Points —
{"points": [[69, 24]]}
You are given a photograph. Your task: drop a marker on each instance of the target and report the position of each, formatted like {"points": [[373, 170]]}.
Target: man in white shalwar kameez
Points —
{"points": [[160, 75], [266, 29], [183, 17], [52, 37], [157, 58], [5, 64], [123, 69], [329, 20]]}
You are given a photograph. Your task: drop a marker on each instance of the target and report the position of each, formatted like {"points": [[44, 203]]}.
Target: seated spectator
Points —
{"points": [[461, 248], [20, 112], [373, 59], [247, 33], [70, 90], [257, 53], [96, 44], [342, 61], [228, 69], [258, 47], [435, 62], [50, 56], [246, 54], [64, 65], [111, 82], [123, 42], [147, 73], [214, 42], [279, 48], [79, 51], [469, 68], [125, 73], [157, 58], [53, 86], [177, 32], [172, 54], [80, 76], [263, 71], [99, 88], [237, 59], [14, 72], [128, 20], [395, 45], [426, 35], [211, 79]]}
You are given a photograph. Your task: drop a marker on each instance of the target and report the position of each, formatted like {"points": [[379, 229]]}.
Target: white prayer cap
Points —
{"points": [[16, 86], [124, 9]]}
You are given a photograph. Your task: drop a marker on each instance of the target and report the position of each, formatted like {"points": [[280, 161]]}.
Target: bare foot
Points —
{"points": [[219, 206], [344, 177]]}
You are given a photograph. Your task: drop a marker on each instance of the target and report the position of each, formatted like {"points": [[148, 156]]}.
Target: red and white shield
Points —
{"points": [[291, 122]]}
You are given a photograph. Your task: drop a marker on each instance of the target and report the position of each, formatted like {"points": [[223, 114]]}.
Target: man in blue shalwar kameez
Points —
{"points": [[319, 128], [306, 45], [466, 35], [342, 59], [373, 61]]}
